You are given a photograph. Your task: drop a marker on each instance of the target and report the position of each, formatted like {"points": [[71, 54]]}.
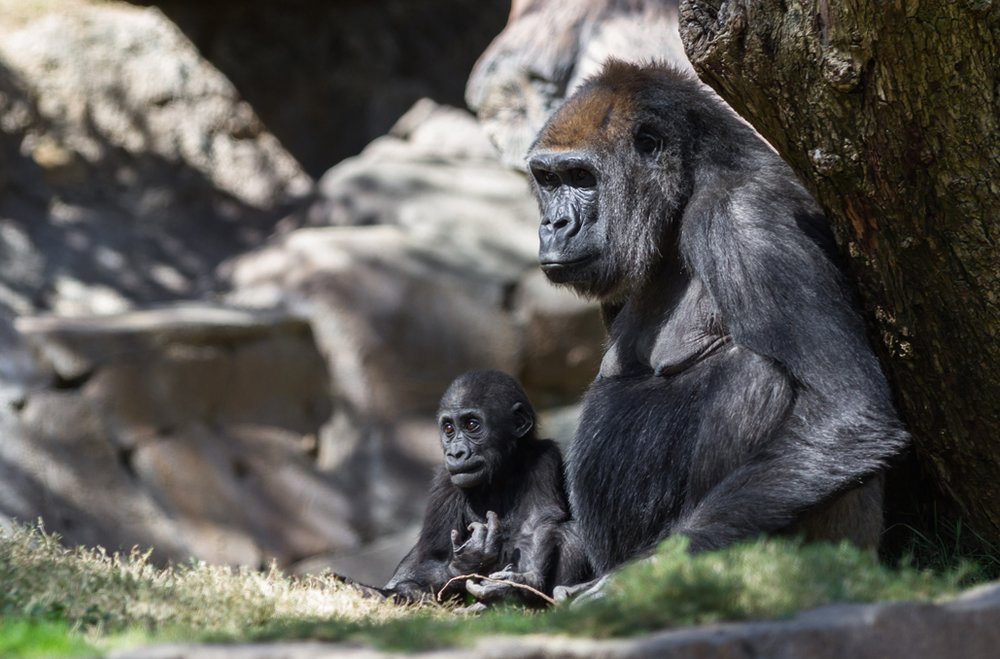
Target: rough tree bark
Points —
{"points": [[890, 113]]}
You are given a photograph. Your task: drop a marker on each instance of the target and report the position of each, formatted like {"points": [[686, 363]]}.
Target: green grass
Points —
{"points": [[59, 601], [942, 546], [39, 638]]}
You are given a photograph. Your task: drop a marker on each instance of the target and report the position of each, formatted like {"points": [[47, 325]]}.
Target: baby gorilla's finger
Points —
{"points": [[508, 575], [493, 536], [478, 536], [476, 607], [487, 591]]}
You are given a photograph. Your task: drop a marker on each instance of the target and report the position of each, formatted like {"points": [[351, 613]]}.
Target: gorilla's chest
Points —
{"points": [[628, 465], [663, 332]]}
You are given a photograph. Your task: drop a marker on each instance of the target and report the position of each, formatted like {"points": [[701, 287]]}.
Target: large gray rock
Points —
{"points": [[189, 429], [435, 170], [548, 48], [118, 83], [131, 166]]}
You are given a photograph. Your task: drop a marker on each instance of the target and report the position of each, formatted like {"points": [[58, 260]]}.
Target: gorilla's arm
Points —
{"points": [[429, 565], [414, 576], [760, 253]]}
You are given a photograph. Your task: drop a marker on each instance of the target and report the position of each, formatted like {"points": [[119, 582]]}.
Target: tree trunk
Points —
{"points": [[890, 113]]}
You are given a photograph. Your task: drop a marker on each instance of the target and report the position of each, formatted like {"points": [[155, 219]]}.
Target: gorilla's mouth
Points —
{"points": [[567, 271], [467, 474], [467, 467]]}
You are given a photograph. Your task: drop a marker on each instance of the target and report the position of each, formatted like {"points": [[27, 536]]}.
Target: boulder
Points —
{"points": [[132, 166], [120, 84], [435, 170]]}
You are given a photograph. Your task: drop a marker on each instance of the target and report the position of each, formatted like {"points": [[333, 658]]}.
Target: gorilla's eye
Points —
{"points": [[647, 142], [448, 428], [471, 424], [545, 178], [582, 178]]}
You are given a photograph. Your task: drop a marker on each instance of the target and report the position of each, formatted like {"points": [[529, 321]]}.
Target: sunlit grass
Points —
{"points": [[39, 638], [124, 596], [86, 597]]}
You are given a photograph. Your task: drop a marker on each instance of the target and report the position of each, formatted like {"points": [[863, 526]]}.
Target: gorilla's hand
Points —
{"points": [[495, 591], [481, 549]]}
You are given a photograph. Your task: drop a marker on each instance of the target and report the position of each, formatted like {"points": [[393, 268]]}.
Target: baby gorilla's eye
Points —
{"points": [[471, 425], [448, 428]]}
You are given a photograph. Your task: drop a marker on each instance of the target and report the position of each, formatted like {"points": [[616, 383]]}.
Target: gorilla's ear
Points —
{"points": [[523, 423]]}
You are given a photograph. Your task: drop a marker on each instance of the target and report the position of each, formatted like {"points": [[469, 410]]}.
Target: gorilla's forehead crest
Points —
{"points": [[605, 107], [595, 115]]}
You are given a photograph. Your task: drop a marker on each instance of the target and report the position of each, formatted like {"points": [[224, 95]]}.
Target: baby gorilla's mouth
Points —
{"points": [[467, 474], [466, 467]]}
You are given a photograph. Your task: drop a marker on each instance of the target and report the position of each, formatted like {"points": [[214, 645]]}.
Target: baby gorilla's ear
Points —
{"points": [[523, 421]]}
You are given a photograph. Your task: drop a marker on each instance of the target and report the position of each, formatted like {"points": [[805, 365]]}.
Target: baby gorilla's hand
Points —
{"points": [[492, 591], [482, 548]]}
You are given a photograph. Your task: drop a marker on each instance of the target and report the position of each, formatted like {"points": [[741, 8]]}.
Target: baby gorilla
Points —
{"points": [[497, 507]]}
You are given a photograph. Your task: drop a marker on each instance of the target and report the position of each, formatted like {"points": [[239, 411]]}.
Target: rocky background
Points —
{"points": [[244, 247]]}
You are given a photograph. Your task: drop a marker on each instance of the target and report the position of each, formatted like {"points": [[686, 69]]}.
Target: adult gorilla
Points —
{"points": [[738, 395]]}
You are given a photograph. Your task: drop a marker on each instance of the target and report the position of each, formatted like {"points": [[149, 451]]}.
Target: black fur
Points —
{"points": [[738, 394], [522, 484]]}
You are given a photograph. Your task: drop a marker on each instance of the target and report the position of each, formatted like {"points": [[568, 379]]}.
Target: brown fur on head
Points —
{"points": [[604, 108]]}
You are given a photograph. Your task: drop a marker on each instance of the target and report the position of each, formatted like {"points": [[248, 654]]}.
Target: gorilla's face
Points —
{"points": [[610, 177], [570, 234], [482, 416], [469, 445]]}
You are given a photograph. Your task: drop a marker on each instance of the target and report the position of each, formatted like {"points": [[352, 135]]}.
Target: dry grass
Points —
{"points": [[104, 596]]}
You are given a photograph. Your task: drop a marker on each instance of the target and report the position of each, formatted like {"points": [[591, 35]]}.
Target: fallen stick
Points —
{"points": [[522, 586]]}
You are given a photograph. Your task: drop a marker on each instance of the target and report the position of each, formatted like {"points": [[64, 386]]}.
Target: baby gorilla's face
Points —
{"points": [[483, 415], [469, 444]]}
